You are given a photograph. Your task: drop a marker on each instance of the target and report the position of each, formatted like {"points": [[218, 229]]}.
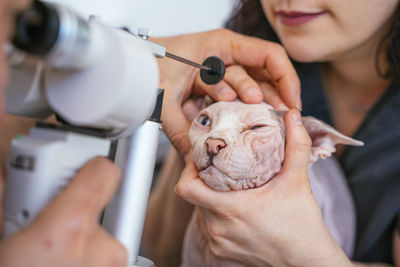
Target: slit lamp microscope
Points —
{"points": [[102, 84]]}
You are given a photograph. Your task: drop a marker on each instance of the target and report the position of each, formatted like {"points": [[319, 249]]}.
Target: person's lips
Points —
{"points": [[295, 18]]}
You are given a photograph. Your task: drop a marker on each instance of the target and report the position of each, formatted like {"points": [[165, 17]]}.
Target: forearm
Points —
{"points": [[329, 254], [167, 216], [306, 244], [396, 252]]}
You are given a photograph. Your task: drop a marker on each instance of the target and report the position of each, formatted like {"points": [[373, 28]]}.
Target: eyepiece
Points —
{"points": [[56, 34], [37, 29]]}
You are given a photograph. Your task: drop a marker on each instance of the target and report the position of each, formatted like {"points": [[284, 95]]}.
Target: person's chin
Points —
{"points": [[305, 53]]}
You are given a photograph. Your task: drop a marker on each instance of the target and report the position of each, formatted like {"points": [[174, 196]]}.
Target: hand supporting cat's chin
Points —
{"points": [[220, 181]]}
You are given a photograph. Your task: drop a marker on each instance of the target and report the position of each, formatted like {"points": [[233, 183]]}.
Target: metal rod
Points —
{"points": [[124, 216], [186, 61]]}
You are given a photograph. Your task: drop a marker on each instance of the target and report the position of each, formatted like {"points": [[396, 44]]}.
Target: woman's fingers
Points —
{"points": [[271, 96], [68, 226], [176, 126], [85, 196], [257, 53], [259, 74], [247, 88], [221, 91], [70, 217], [237, 82], [298, 146], [270, 90], [192, 189], [251, 85]]}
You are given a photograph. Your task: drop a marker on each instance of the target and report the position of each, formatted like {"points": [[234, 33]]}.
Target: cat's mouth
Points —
{"points": [[210, 167], [225, 179], [215, 178], [221, 181], [209, 164]]}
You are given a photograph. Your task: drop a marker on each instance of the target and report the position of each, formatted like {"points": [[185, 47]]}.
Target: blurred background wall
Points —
{"points": [[162, 17]]}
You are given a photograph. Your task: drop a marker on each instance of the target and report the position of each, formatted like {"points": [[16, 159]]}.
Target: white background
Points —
{"points": [[162, 17]]}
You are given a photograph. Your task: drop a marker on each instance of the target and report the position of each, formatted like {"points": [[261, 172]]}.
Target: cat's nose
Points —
{"points": [[215, 145]]}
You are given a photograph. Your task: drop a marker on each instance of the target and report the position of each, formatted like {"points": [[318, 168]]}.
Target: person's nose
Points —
{"points": [[214, 145]]}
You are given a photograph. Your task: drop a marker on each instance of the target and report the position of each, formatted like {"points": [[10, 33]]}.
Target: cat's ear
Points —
{"points": [[325, 138]]}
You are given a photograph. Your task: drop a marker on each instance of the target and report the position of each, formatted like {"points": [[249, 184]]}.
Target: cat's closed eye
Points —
{"points": [[257, 126]]}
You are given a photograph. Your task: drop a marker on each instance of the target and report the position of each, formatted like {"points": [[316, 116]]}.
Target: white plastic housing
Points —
{"points": [[39, 166], [24, 92], [117, 91]]}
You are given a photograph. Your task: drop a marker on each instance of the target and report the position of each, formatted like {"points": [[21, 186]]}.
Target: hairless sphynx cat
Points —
{"points": [[241, 146]]}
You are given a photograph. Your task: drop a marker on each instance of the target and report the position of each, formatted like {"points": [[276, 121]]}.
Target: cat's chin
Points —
{"points": [[220, 181]]}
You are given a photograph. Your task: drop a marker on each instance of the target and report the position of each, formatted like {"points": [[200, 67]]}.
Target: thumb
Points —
{"points": [[176, 127], [298, 144], [86, 195], [193, 190]]}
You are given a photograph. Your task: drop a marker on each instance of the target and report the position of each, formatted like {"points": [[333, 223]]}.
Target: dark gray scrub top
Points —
{"points": [[372, 171]]}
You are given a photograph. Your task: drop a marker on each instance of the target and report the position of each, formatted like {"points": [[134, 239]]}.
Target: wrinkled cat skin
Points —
{"points": [[241, 146], [249, 154]]}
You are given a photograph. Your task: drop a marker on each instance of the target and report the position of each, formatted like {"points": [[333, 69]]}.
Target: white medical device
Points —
{"points": [[102, 83], [92, 76]]}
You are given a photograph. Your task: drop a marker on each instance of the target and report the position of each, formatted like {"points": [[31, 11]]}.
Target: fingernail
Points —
{"points": [[225, 91], [297, 117], [252, 92], [298, 103]]}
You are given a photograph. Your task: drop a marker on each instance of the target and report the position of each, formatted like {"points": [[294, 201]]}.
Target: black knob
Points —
{"points": [[216, 72]]}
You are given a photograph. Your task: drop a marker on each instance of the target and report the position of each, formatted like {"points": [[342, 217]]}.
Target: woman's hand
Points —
{"points": [[258, 60], [67, 232], [277, 224]]}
